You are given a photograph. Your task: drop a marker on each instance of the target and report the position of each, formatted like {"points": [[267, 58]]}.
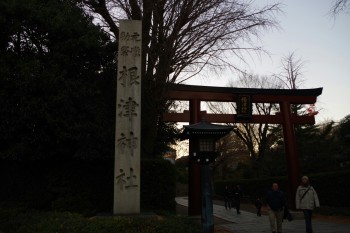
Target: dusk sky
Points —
{"points": [[317, 38]]}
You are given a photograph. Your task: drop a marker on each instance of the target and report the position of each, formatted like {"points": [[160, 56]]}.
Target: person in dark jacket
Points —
{"points": [[237, 195], [275, 200], [258, 204], [227, 197]]}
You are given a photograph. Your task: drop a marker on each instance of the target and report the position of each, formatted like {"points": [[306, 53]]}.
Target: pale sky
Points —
{"points": [[322, 42]]}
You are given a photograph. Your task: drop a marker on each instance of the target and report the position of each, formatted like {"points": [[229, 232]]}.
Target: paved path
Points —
{"points": [[249, 222]]}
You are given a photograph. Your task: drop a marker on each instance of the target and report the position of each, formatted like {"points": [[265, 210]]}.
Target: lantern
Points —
{"points": [[204, 135]]}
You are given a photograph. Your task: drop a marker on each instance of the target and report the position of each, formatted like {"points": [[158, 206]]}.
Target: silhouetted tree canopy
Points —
{"points": [[180, 39], [56, 82]]}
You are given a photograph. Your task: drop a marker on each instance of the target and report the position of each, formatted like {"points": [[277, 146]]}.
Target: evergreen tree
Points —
{"points": [[56, 82]]}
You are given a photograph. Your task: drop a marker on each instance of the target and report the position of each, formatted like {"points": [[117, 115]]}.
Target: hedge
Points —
{"points": [[331, 188], [18, 220], [158, 185], [82, 186], [252, 188]]}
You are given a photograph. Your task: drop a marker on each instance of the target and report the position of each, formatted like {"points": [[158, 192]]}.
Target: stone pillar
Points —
{"points": [[207, 199], [128, 120]]}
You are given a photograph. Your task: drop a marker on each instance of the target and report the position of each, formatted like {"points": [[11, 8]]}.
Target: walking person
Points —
{"points": [[232, 196], [306, 199], [258, 204], [276, 201], [237, 195], [227, 197]]}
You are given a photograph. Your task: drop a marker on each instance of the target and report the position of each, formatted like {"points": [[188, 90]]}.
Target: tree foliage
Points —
{"points": [[180, 39], [315, 148], [232, 154], [257, 136], [342, 139], [343, 131], [320, 148], [56, 82]]}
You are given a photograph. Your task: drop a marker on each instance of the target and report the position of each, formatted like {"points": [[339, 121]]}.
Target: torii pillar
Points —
{"points": [[194, 184], [196, 94], [290, 149], [194, 169]]}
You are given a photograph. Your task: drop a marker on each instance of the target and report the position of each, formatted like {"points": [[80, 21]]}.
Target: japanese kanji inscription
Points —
{"points": [[128, 120]]}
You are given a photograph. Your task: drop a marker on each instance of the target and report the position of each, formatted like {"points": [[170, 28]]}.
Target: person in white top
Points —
{"points": [[306, 199]]}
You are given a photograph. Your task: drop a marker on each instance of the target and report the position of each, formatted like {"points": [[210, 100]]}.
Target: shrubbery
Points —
{"points": [[84, 187], [158, 185], [36, 197], [251, 188], [18, 220], [331, 187]]}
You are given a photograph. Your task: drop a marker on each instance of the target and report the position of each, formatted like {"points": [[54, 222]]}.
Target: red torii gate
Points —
{"points": [[283, 97]]}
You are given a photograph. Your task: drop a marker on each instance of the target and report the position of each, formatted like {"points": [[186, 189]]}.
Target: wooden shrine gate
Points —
{"points": [[242, 96]]}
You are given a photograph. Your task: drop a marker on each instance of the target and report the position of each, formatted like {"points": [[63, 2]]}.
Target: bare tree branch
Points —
{"points": [[186, 37], [340, 6], [292, 71], [190, 32], [255, 137]]}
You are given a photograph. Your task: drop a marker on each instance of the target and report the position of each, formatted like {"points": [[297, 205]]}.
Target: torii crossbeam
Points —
{"points": [[283, 97]]}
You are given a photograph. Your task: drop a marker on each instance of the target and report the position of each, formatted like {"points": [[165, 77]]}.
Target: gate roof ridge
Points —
{"points": [[240, 90]]}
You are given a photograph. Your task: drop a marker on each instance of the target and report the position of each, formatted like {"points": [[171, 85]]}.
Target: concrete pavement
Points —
{"points": [[249, 222]]}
